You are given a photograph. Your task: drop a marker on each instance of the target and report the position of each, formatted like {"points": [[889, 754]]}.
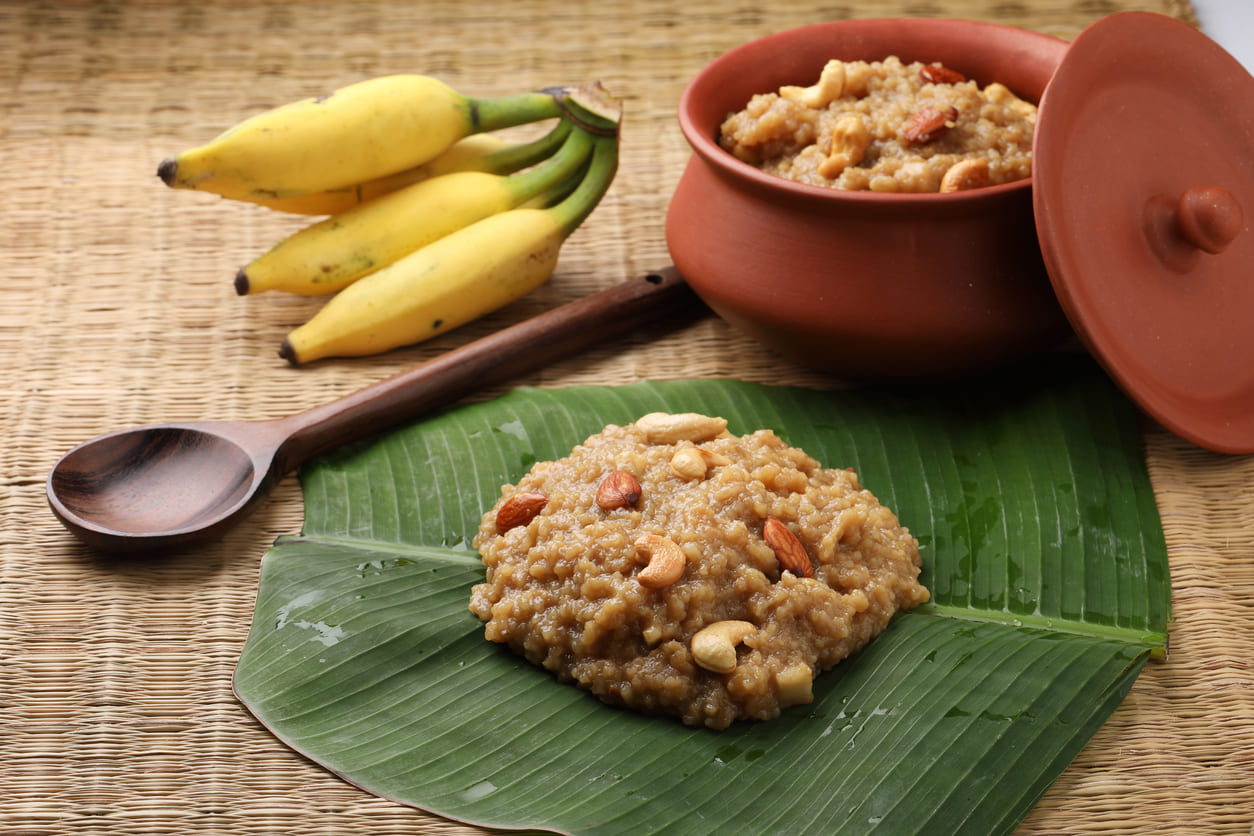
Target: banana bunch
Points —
{"points": [[432, 220], [477, 152]]}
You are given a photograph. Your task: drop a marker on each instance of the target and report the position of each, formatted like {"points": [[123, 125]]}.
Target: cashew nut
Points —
{"points": [[714, 646], [964, 175], [666, 561], [694, 463], [830, 85], [688, 463], [795, 684], [665, 428], [713, 459], [998, 93], [850, 139]]}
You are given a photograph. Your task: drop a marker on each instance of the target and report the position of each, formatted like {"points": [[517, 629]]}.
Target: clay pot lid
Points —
{"points": [[1143, 191]]}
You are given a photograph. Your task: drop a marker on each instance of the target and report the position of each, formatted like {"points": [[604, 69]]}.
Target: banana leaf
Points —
{"points": [[1042, 547]]}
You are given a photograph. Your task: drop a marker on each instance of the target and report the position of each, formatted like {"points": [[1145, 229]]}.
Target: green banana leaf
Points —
{"points": [[1042, 547]]}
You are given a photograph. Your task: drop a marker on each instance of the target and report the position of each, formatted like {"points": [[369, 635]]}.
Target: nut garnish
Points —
{"points": [[714, 646], [695, 463], [850, 139], [929, 123], [937, 74], [688, 463], [618, 489], [795, 684], [665, 428], [964, 175], [713, 459], [830, 86], [666, 561], [519, 509], [788, 550], [1001, 94]]}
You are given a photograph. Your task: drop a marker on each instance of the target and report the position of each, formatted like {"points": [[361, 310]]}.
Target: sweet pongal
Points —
{"points": [[672, 567], [887, 126]]}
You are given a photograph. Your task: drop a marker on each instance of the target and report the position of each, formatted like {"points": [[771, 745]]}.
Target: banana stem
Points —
{"points": [[575, 149], [493, 114], [560, 190], [575, 208], [517, 157], [593, 108]]}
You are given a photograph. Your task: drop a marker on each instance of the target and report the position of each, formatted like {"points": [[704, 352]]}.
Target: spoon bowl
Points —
{"points": [[154, 482], [170, 486]]}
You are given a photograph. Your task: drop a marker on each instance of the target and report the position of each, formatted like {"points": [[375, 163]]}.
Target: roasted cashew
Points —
{"points": [[666, 561], [850, 139], [795, 684], [998, 93], [830, 85], [713, 459], [695, 463], [665, 428], [688, 463], [714, 646], [965, 175]]}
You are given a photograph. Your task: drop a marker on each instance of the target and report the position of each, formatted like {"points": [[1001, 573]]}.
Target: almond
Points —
{"points": [[929, 123], [618, 490], [936, 74], [788, 550], [519, 509]]}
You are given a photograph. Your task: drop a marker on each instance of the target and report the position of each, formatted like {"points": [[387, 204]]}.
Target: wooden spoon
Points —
{"points": [[169, 486]]}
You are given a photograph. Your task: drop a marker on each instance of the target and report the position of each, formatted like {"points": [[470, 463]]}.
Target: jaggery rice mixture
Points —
{"points": [[887, 126], [674, 568]]}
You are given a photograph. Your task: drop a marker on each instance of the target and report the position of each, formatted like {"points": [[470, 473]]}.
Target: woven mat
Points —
{"points": [[116, 714]]}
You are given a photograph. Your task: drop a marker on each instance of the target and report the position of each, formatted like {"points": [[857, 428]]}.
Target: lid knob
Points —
{"points": [[1209, 217], [1203, 219]]}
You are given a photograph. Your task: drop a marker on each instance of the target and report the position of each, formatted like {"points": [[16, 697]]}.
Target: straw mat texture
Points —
{"points": [[116, 713]]}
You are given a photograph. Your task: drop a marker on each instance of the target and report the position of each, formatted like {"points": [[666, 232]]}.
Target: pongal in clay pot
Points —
{"points": [[862, 284]]}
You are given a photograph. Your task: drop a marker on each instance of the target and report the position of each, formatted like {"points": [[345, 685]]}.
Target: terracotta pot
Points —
{"points": [[865, 285]]}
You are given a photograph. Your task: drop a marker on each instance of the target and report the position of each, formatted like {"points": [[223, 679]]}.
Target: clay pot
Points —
{"points": [[865, 285]]}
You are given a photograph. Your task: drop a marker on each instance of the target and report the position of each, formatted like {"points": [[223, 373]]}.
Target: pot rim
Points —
{"points": [[741, 173]]}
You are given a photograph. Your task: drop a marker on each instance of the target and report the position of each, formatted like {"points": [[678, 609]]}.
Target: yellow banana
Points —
{"points": [[458, 278], [478, 152], [336, 252], [464, 155], [454, 280], [358, 133]]}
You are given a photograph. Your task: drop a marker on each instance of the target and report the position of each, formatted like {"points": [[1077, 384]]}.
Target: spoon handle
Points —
{"points": [[490, 360]]}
